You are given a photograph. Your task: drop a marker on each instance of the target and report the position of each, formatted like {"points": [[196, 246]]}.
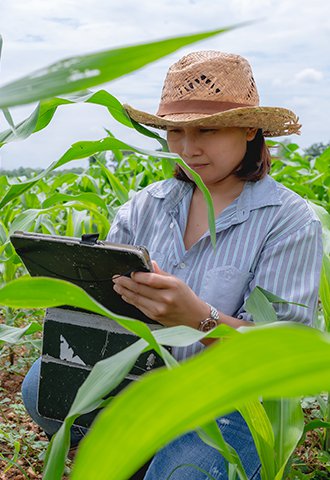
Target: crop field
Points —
{"points": [[290, 427]]}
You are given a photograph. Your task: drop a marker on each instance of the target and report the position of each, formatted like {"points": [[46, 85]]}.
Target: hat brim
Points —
{"points": [[274, 121]]}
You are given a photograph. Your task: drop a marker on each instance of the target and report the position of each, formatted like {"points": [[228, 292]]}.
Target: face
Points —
{"points": [[214, 153]]}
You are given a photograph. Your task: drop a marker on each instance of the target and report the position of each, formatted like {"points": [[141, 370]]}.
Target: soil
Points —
{"points": [[22, 443], [11, 386]]}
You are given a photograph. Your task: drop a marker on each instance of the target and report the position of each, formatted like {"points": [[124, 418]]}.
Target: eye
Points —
{"points": [[174, 134], [208, 130], [174, 130]]}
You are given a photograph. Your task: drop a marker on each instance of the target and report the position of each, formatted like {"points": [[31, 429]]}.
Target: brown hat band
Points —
{"points": [[197, 106]]}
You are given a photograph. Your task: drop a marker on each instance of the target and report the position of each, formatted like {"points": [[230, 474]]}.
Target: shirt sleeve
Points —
{"points": [[120, 230], [290, 268]]}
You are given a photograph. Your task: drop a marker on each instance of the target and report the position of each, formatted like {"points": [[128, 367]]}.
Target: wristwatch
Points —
{"points": [[210, 322]]}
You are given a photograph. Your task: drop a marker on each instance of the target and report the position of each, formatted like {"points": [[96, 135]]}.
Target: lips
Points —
{"points": [[196, 166]]}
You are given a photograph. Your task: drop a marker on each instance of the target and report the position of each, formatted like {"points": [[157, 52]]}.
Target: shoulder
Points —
{"points": [[288, 212], [285, 202], [164, 188], [294, 206], [168, 192]]}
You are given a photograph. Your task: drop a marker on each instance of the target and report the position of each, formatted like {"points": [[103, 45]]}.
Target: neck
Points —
{"points": [[226, 189], [222, 195]]}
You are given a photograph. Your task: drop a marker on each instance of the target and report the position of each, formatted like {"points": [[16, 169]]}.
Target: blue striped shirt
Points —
{"points": [[268, 237]]}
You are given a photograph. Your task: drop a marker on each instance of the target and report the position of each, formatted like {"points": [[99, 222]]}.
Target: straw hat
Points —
{"points": [[211, 88]]}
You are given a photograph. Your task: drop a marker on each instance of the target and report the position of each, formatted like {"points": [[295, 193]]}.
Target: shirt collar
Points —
{"points": [[172, 191], [254, 195]]}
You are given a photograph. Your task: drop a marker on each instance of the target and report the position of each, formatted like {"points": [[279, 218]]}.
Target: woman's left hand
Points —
{"points": [[162, 297]]}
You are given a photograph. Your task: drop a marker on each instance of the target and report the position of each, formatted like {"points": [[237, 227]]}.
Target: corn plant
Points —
{"points": [[285, 360], [309, 177]]}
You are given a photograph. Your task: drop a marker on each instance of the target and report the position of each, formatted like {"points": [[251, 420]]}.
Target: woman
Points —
{"points": [[266, 235]]}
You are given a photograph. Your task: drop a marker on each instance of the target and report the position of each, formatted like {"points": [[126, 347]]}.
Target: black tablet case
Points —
{"points": [[86, 263], [73, 339]]}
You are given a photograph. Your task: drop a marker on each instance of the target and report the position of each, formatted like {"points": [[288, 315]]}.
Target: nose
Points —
{"points": [[190, 145]]}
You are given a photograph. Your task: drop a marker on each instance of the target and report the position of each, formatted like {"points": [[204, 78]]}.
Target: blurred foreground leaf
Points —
{"points": [[84, 71]]}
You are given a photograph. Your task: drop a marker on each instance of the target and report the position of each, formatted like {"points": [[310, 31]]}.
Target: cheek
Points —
{"points": [[236, 149], [173, 145]]}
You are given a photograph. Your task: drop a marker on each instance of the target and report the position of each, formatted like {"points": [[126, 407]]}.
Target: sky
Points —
{"points": [[288, 47]]}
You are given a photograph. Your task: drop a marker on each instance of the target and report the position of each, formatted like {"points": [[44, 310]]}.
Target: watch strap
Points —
{"points": [[213, 312], [210, 322]]}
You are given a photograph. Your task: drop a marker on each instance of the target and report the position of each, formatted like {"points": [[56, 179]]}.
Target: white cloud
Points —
{"points": [[287, 48], [304, 76], [308, 75], [301, 101]]}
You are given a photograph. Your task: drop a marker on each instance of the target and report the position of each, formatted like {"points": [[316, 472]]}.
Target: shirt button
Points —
{"points": [[182, 265], [171, 225]]}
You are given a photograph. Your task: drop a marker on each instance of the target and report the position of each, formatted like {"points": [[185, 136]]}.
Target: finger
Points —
{"points": [[148, 306], [126, 286], [154, 280], [157, 269]]}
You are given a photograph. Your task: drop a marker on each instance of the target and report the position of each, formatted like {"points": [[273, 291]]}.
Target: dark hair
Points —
{"points": [[254, 166]]}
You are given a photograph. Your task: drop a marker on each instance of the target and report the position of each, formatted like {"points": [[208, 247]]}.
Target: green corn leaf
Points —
{"points": [[118, 188], [206, 195], [287, 360], [47, 227], [24, 220], [260, 307], [316, 423], [10, 334], [287, 419], [78, 219], [40, 292], [69, 228], [77, 151], [104, 377], [9, 119], [168, 168], [271, 297], [84, 71], [30, 292], [44, 112], [25, 127], [85, 199], [86, 149], [261, 429], [322, 162], [211, 435], [3, 234], [325, 290]]}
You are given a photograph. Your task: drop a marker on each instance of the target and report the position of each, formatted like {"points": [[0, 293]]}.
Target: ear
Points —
{"points": [[251, 133]]}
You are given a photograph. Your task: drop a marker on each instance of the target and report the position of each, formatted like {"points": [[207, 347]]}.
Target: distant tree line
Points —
{"points": [[29, 172], [316, 149], [313, 151]]}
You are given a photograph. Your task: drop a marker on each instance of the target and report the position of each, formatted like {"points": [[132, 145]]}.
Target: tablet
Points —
{"points": [[86, 262]]}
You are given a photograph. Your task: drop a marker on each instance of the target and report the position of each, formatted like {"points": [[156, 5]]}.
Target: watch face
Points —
{"points": [[208, 324]]}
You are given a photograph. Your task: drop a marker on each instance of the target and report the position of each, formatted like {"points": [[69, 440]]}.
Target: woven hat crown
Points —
{"points": [[211, 76], [216, 89]]}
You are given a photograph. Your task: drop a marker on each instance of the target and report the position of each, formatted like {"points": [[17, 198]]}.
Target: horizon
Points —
{"points": [[287, 51]]}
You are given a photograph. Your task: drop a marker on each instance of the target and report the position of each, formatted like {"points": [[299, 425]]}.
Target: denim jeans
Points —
{"points": [[30, 388], [183, 459]]}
